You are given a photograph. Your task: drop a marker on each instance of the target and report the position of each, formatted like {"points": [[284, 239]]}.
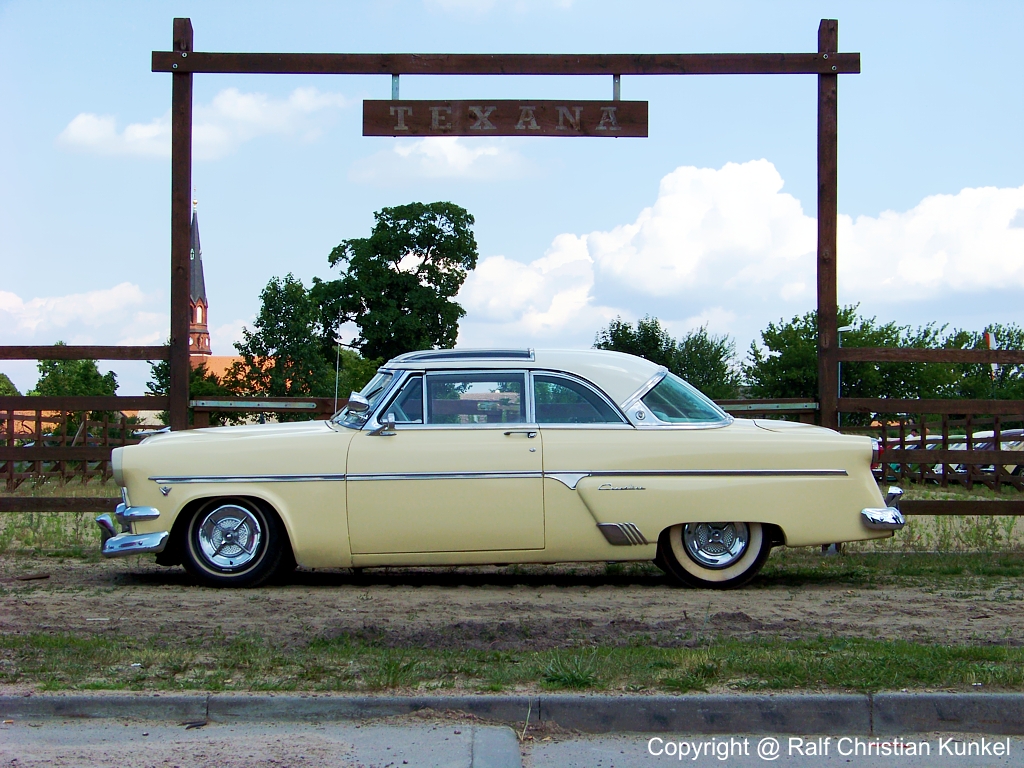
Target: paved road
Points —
{"points": [[139, 744], [434, 744]]}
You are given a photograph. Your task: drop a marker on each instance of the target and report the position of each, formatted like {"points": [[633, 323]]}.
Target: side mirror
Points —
{"points": [[357, 403]]}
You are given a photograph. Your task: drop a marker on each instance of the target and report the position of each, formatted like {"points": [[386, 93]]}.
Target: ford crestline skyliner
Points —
{"points": [[461, 457]]}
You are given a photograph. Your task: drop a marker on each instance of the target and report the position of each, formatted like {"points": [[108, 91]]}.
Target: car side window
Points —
{"points": [[558, 400], [491, 397], [407, 407]]}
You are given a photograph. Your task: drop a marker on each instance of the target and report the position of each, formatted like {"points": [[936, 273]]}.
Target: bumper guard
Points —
{"points": [[116, 544], [887, 518]]}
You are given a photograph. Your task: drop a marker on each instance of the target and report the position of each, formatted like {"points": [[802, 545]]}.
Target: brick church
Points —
{"points": [[199, 348]]}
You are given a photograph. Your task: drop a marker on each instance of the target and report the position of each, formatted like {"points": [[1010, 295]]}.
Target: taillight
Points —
{"points": [[876, 454]]}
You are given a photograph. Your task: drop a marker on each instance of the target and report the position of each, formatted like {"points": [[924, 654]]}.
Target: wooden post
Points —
{"points": [[181, 187], [828, 182]]}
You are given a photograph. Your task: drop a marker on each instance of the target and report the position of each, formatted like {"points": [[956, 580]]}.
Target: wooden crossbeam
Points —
{"points": [[818, 63]]}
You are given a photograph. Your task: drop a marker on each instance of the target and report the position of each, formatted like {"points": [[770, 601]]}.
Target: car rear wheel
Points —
{"points": [[234, 543], [714, 555]]}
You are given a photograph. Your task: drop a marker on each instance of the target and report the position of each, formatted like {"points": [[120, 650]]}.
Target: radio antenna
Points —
{"points": [[337, 371]]}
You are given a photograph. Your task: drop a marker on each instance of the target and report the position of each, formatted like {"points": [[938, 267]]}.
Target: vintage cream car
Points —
{"points": [[452, 457]]}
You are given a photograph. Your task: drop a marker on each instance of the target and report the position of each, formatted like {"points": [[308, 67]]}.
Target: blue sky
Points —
{"points": [[710, 220]]}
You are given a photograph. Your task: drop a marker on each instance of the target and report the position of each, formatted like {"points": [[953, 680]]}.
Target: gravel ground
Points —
{"points": [[495, 608]]}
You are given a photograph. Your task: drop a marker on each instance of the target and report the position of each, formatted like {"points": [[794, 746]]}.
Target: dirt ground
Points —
{"points": [[494, 608]]}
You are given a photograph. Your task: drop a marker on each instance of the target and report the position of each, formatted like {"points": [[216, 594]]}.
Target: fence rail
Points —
{"points": [[65, 352], [66, 437], [908, 355]]}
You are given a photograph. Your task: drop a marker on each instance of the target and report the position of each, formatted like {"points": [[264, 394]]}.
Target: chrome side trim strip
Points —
{"points": [[571, 479], [245, 478], [622, 534], [515, 475]]}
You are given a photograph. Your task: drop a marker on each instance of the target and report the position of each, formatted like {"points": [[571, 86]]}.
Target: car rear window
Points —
{"points": [[674, 401]]}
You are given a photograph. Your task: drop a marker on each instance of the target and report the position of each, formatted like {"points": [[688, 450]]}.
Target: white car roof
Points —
{"points": [[618, 374]]}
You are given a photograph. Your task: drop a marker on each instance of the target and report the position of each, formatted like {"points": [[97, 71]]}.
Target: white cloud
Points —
{"points": [[439, 157], [224, 336], [72, 313], [218, 128], [947, 245], [727, 248]]}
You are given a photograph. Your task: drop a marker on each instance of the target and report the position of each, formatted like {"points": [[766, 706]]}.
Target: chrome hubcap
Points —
{"points": [[716, 545], [230, 537]]}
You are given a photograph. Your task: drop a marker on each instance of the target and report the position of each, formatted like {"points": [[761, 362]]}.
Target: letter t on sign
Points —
{"points": [[401, 112]]}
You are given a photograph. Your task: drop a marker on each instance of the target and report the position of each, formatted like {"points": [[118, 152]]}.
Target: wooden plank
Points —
{"points": [[96, 504], [56, 453], [949, 456], [903, 355], [495, 117], [961, 407], [507, 63], [97, 403], [64, 352], [956, 507], [828, 212], [181, 194]]}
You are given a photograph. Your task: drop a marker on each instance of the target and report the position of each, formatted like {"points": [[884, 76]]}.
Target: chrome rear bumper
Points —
{"points": [[889, 517], [883, 518], [122, 544]]}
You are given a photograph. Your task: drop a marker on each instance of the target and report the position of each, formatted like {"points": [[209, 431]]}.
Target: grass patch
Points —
{"points": [[66, 661], [63, 534]]}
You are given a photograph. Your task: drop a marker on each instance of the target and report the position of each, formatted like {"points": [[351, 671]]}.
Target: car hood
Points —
{"points": [[244, 432]]}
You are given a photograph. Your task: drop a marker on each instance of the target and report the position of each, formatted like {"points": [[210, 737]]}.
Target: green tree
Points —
{"points": [[786, 363], [648, 340], [7, 388], [398, 285], [289, 352], [202, 383], [707, 361], [73, 378]]}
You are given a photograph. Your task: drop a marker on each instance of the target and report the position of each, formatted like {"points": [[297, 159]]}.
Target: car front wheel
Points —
{"points": [[234, 543], [714, 555]]}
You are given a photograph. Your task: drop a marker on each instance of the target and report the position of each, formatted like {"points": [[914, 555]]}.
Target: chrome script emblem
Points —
{"points": [[610, 487]]}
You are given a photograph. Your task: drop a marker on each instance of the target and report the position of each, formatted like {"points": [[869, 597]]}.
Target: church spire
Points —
{"points": [[199, 334]]}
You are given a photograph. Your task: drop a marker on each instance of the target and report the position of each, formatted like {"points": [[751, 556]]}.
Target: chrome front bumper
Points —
{"points": [[116, 544], [887, 518]]}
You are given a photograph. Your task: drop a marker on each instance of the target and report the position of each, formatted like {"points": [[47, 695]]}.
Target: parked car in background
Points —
{"points": [[458, 457]]}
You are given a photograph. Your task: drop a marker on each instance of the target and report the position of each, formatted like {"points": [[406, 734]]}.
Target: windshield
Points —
{"points": [[674, 401], [373, 392]]}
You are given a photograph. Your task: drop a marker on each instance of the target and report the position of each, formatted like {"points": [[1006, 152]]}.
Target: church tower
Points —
{"points": [[198, 331]]}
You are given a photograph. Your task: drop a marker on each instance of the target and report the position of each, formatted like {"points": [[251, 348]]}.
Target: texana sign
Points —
{"points": [[505, 118]]}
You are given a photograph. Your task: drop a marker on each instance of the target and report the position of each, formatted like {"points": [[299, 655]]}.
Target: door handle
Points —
{"points": [[531, 433]]}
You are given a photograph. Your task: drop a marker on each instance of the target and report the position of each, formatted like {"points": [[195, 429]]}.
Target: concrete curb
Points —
{"points": [[804, 714]]}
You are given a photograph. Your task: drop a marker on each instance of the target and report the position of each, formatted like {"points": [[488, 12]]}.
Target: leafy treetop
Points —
{"points": [[705, 360], [399, 283]]}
